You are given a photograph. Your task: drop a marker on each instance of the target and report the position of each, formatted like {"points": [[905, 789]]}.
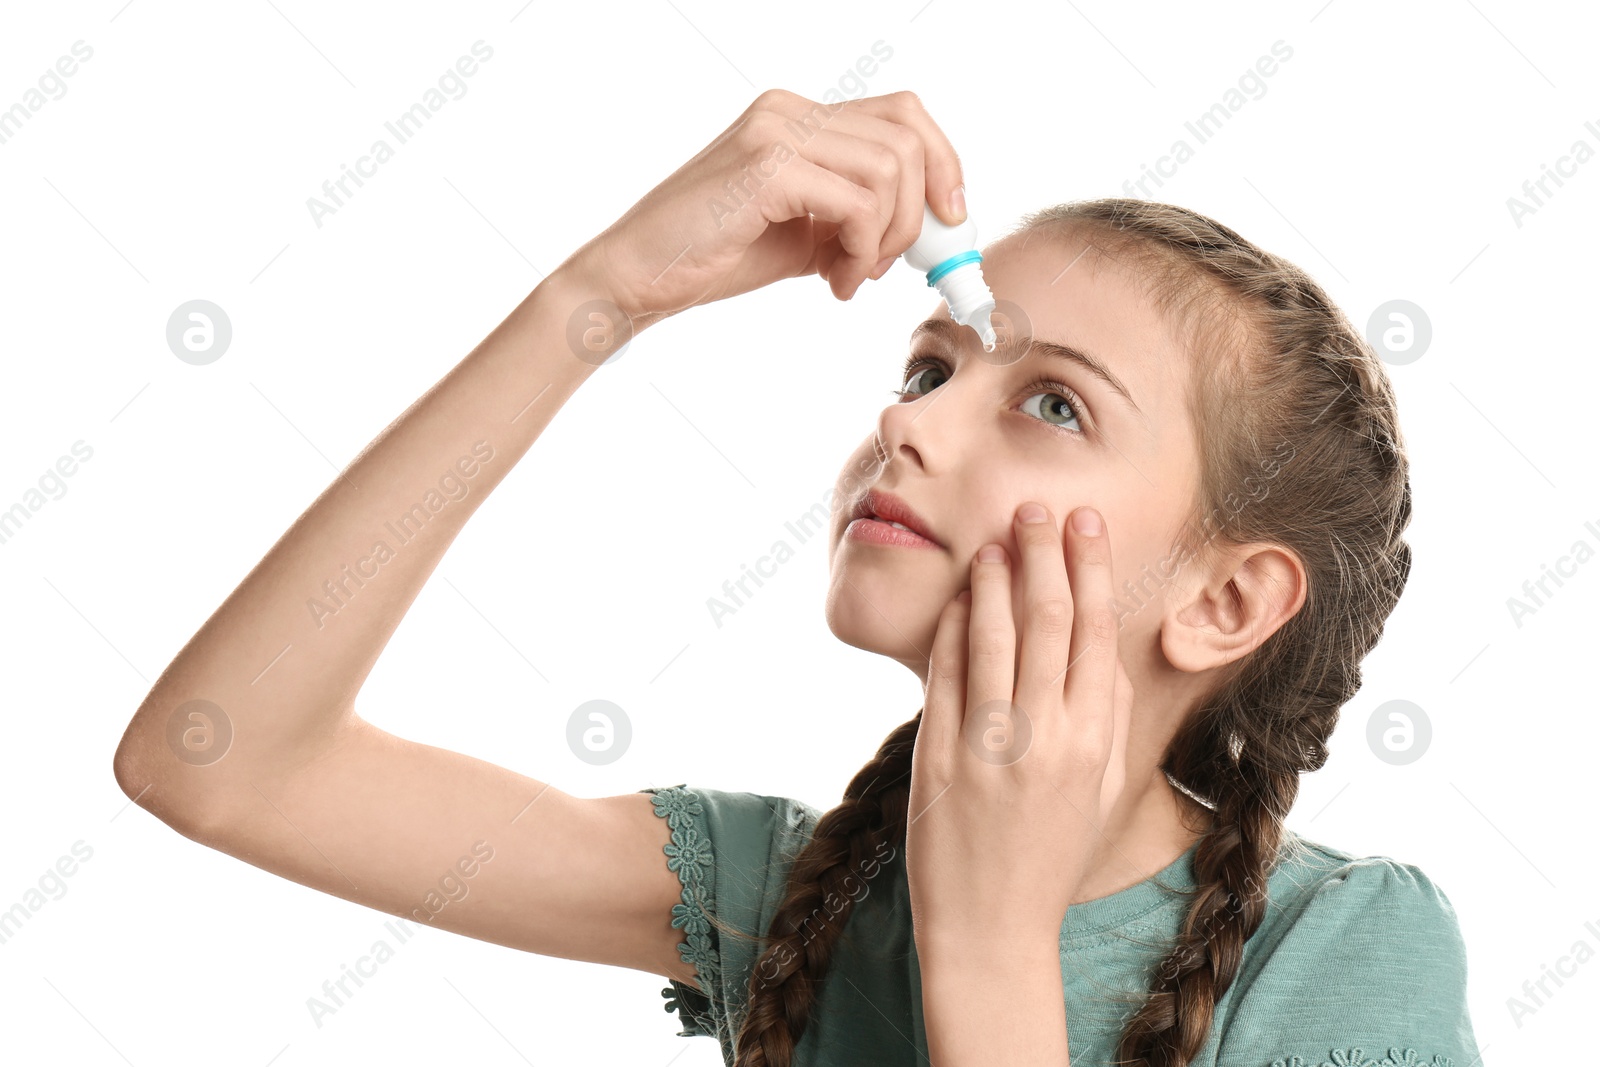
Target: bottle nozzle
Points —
{"points": [[979, 316], [970, 301], [986, 332]]}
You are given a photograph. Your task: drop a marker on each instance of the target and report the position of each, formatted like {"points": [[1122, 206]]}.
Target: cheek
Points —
{"points": [[860, 470], [1131, 515], [1144, 572]]}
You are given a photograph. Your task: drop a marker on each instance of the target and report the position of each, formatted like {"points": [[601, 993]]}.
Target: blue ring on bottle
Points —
{"points": [[952, 263], [972, 255]]}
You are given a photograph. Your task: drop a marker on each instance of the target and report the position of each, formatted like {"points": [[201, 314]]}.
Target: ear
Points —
{"points": [[1230, 609]]}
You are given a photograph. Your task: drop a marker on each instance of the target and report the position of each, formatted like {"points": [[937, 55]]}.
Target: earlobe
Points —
{"points": [[1229, 612]]}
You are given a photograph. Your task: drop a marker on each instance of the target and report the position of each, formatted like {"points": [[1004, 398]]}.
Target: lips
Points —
{"points": [[874, 504]]}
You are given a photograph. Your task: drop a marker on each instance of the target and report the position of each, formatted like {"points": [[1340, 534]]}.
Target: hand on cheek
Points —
{"points": [[1021, 752]]}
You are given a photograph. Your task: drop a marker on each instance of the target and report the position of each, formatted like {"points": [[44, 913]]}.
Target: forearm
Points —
{"points": [[286, 652], [998, 1006]]}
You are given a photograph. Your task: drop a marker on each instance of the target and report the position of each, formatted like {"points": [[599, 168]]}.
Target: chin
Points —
{"points": [[879, 621]]}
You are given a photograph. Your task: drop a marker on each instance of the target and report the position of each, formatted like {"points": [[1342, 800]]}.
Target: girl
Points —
{"points": [[1076, 847]]}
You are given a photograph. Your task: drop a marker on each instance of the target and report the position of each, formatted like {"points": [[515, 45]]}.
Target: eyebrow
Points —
{"points": [[947, 330]]}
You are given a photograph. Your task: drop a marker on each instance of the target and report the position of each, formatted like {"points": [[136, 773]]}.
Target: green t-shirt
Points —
{"points": [[1357, 963]]}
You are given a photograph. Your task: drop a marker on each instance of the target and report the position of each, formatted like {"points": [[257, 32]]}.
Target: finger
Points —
{"points": [[903, 212], [1046, 615], [941, 167], [991, 636], [899, 141], [828, 252], [1092, 664], [824, 193], [860, 155], [943, 703]]}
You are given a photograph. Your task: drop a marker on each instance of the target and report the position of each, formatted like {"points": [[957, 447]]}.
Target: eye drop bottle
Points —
{"points": [[949, 257]]}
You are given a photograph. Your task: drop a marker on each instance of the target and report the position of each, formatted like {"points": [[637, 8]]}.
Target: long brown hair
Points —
{"points": [[1280, 364]]}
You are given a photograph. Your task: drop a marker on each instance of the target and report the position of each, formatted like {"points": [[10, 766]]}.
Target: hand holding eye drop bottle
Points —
{"points": [[948, 256]]}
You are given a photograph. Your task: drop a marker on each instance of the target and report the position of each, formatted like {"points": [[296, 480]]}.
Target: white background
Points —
{"points": [[177, 166]]}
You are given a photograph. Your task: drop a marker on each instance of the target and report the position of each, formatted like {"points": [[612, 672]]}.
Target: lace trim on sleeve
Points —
{"points": [[1355, 1057], [690, 855]]}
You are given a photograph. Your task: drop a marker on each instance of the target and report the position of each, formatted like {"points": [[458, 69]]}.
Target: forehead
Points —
{"points": [[1059, 288]]}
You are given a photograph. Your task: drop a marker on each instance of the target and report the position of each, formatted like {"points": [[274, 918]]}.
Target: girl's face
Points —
{"points": [[976, 437]]}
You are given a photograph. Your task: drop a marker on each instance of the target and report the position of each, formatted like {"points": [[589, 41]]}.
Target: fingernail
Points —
{"points": [[883, 265], [1086, 521], [991, 554], [958, 203], [964, 597], [1030, 512]]}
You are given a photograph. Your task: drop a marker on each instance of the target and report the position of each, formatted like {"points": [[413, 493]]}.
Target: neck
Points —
{"points": [[1150, 829]]}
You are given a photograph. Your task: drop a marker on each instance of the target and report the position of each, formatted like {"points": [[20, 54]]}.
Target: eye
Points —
{"points": [[913, 371], [1066, 408], [1066, 405]]}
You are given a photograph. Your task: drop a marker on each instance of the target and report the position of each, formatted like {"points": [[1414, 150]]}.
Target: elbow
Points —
{"points": [[126, 763], [148, 774], [136, 765], [131, 766]]}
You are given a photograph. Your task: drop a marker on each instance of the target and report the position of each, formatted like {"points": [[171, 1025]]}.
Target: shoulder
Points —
{"points": [[1331, 887], [1354, 952], [1337, 913]]}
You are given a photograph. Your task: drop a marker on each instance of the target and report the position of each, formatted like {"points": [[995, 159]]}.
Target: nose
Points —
{"points": [[905, 430]]}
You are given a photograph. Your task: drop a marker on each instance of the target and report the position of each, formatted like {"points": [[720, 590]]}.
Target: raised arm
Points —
{"points": [[307, 789]]}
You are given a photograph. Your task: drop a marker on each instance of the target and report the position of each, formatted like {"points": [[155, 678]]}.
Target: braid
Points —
{"points": [[1230, 865], [784, 983]]}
